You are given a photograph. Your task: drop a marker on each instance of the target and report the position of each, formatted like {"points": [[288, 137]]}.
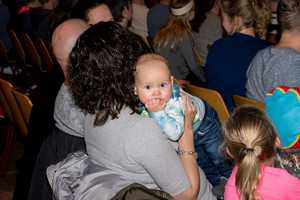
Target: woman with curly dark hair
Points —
{"points": [[101, 77]]}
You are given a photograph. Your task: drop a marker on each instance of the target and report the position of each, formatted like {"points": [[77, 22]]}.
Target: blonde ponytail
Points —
{"points": [[250, 137]]}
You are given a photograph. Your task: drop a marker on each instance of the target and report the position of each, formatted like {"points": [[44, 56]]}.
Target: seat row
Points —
{"points": [[34, 55], [215, 100], [16, 108]]}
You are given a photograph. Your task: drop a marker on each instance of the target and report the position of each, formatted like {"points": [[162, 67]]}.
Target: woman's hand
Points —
{"points": [[190, 110]]}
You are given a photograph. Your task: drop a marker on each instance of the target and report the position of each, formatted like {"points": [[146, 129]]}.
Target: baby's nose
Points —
{"points": [[156, 92]]}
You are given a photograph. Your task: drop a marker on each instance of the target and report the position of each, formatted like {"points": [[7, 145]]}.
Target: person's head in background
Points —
{"points": [[201, 7], [64, 38], [121, 11], [92, 11], [49, 4], [288, 16], [251, 140], [246, 16], [153, 79], [182, 12], [101, 70]]}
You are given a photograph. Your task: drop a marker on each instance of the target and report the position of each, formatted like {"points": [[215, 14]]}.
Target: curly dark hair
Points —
{"points": [[101, 70]]}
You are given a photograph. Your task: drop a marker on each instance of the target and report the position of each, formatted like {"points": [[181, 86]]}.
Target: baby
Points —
{"points": [[160, 99]]}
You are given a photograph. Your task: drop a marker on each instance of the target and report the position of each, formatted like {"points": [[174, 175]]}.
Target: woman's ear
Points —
{"points": [[228, 152], [135, 91]]}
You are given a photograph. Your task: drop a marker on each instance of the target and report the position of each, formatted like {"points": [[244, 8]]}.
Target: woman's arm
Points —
{"points": [[186, 143]]}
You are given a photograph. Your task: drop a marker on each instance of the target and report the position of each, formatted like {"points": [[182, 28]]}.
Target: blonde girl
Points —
{"points": [[251, 140], [228, 60], [175, 42]]}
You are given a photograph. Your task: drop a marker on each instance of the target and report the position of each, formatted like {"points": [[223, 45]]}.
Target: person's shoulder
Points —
{"points": [[280, 173], [263, 42], [224, 40]]}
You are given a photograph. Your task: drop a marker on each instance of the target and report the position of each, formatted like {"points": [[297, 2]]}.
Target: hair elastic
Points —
{"points": [[249, 149], [183, 10]]}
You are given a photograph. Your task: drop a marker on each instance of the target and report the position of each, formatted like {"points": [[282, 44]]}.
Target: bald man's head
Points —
{"points": [[64, 38]]}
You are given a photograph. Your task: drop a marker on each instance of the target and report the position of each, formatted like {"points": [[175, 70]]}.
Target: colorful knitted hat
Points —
{"points": [[283, 107]]}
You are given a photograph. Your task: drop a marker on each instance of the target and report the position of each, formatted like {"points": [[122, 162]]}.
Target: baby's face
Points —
{"points": [[153, 81]]}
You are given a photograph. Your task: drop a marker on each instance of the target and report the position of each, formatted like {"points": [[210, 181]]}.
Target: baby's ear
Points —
{"points": [[172, 80], [135, 91]]}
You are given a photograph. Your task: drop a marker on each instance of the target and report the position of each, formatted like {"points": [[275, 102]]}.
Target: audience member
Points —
{"points": [[160, 99], [4, 21], [122, 13], [278, 65], [139, 18], [157, 16], [251, 141], [60, 14], [283, 106], [92, 11], [67, 135], [229, 58], [101, 77], [39, 19], [23, 18], [174, 41], [206, 29]]}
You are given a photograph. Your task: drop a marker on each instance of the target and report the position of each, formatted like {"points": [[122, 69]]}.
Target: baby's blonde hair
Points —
{"points": [[250, 138], [150, 57]]}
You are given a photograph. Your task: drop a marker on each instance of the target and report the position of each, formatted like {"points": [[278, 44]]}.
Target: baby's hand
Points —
{"points": [[155, 105]]}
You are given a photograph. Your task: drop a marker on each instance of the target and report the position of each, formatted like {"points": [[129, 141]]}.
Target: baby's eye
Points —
{"points": [[163, 85], [148, 87]]}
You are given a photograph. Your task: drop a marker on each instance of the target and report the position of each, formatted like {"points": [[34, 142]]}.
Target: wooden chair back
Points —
{"points": [[273, 38], [25, 106], [50, 49], [212, 97], [44, 53], [176, 81], [16, 116], [17, 44], [32, 52], [6, 60], [198, 57], [8, 115], [239, 100]]}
